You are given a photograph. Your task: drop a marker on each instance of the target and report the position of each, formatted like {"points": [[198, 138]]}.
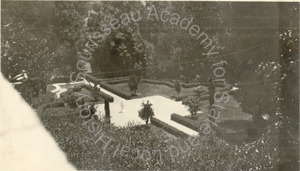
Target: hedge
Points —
{"points": [[149, 81], [166, 83], [191, 85], [101, 94], [66, 93], [43, 107], [206, 96], [194, 125], [116, 91], [92, 79], [174, 131], [76, 89], [117, 81], [106, 96], [60, 79]]}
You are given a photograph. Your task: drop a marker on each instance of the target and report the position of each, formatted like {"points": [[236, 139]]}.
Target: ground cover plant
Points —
{"points": [[212, 153]]}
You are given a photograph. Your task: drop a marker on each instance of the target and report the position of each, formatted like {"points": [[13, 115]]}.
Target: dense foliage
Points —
{"points": [[210, 154], [133, 84], [194, 102], [259, 41]]}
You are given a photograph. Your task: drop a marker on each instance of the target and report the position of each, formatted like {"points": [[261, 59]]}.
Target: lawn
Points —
{"points": [[232, 111], [234, 125], [145, 89]]}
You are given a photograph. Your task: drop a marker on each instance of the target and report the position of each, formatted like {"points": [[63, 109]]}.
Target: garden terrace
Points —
{"points": [[148, 87]]}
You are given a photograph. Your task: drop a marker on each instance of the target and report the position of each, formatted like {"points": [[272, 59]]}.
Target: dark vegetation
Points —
{"points": [[260, 42]]}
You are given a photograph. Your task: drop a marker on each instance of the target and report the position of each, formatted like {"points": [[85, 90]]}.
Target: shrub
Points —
{"points": [[95, 92], [177, 87], [66, 93], [199, 91], [146, 112], [193, 103], [71, 101], [133, 84], [76, 89]]}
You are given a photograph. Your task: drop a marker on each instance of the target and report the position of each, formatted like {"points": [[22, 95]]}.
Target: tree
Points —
{"points": [[133, 84], [30, 42], [194, 102], [177, 87], [211, 91], [288, 95], [146, 112]]}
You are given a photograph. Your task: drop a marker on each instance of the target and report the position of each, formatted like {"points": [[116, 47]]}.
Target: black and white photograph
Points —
{"points": [[149, 85]]}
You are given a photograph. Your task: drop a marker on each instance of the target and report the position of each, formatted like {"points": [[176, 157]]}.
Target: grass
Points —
{"points": [[233, 123], [232, 111], [145, 89]]}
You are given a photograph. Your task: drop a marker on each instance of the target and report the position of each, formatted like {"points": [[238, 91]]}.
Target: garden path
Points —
{"points": [[163, 108]]}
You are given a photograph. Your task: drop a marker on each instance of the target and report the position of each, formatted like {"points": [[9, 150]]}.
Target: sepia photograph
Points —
{"points": [[149, 85]]}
